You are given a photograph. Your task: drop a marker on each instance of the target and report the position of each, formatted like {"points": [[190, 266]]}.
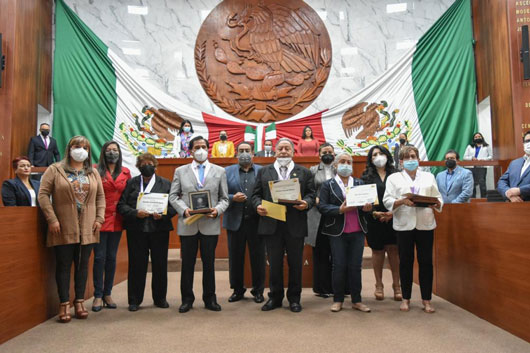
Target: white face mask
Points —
{"points": [[268, 148], [527, 148], [200, 155], [284, 161], [380, 161], [79, 154]]}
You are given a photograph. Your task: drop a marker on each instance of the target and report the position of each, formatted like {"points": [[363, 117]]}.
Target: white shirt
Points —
{"points": [[328, 170], [290, 168], [195, 168], [46, 141], [33, 197], [526, 164], [405, 217]]}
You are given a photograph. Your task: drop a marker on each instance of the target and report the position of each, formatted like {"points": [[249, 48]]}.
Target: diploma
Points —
{"points": [[285, 190], [274, 210], [361, 195], [152, 202]]}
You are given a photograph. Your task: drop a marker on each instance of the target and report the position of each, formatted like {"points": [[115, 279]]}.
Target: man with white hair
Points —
{"points": [[288, 236]]}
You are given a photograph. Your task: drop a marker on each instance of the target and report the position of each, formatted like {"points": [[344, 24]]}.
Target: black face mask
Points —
{"points": [[478, 140], [45, 132], [327, 158], [223, 137], [147, 170], [112, 157], [402, 141], [450, 163]]}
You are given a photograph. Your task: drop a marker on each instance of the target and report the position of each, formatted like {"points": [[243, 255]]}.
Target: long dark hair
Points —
{"points": [[371, 170], [303, 132], [102, 164], [484, 143], [181, 129]]}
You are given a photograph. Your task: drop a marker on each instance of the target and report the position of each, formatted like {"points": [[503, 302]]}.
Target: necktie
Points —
{"points": [[283, 171], [201, 173], [45, 143]]}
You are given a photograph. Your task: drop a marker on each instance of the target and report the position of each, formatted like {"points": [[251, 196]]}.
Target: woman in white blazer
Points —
{"points": [[414, 225], [478, 150]]}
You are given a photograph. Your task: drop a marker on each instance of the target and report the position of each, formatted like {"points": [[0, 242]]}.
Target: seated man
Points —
{"points": [[268, 150], [455, 183], [514, 185]]}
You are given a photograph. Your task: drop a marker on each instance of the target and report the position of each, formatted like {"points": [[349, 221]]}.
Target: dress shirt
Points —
{"points": [[290, 168], [247, 181], [449, 176], [195, 168], [526, 164], [46, 141]]}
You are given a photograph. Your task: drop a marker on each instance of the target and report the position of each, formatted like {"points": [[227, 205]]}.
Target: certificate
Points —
{"points": [[361, 195], [274, 210], [152, 202], [287, 191]]}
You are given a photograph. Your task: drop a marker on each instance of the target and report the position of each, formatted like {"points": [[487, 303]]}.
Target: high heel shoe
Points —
{"points": [[397, 293], [97, 305], [427, 307], [64, 313], [108, 302], [379, 292], [80, 311], [405, 305]]}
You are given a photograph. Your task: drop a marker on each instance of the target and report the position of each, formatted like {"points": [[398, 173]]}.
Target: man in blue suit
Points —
{"points": [[455, 183], [241, 223], [514, 185]]}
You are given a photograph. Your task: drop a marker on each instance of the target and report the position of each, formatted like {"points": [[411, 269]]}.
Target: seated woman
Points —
{"points": [[21, 190], [345, 227], [223, 147]]}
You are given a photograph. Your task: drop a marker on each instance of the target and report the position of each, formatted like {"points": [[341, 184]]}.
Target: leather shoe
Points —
{"points": [[213, 306], [97, 305], [185, 307], [162, 304], [133, 307], [258, 298], [270, 305], [295, 307], [235, 297]]}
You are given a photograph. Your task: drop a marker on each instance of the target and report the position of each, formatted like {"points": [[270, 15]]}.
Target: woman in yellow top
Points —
{"points": [[223, 147]]}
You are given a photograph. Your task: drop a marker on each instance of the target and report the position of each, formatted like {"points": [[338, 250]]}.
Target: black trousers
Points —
{"points": [[277, 244], [479, 178], [237, 243], [322, 265], [423, 241], [64, 256], [189, 246], [139, 245]]}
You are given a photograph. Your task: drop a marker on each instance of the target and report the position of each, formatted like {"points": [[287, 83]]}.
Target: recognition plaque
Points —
{"points": [[200, 202]]}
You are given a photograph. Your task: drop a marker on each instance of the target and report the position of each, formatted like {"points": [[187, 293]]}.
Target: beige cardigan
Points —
{"points": [[62, 207]]}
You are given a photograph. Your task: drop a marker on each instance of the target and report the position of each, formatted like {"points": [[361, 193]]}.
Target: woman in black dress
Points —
{"points": [[381, 236]]}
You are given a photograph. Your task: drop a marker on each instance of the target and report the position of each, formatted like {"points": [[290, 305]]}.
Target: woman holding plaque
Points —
{"points": [[413, 223], [381, 236], [147, 232], [345, 227]]}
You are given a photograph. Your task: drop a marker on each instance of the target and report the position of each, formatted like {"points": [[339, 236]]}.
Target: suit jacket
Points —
{"points": [[15, 193], [234, 213], [313, 215], [459, 189], [296, 220], [39, 155], [512, 178], [184, 182], [127, 207], [262, 154]]}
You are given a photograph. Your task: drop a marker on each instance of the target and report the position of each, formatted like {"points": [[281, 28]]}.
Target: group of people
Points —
{"points": [[87, 206]]}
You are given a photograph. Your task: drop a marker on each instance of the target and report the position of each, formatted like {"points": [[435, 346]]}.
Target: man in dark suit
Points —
{"points": [[284, 236], [268, 151], [514, 185], [241, 222], [42, 149]]}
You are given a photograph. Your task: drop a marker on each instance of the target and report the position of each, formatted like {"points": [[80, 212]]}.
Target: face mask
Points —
{"points": [[344, 170], [45, 132], [186, 129], [450, 163], [147, 170], [244, 158], [478, 140], [402, 141], [327, 158], [527, 148], [78, 154], [112, 157], [380, 161], [411, 165], [268, 148], [284, 161], [200, 155], [223, 137]]}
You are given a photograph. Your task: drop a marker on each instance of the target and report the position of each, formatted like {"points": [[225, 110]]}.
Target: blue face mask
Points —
{"points": [[411, 164], [344, 170], [186, 129]]}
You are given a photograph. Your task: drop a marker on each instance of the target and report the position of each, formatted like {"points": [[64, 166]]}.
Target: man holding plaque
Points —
{"points": [[288, 235], [195, 186]]}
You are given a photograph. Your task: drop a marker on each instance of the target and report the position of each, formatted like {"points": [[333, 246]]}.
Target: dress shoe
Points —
{"points": [[64, 313], [97, 305], [323, 295], [427, 307], [162, 304], [361, 307], [258, 298], [80, 311], [185, 307], [108, 302], [295, 307], [336, 307], [133, 307], [213, 306], [235, 297], [271, 305], [397, 293], [379, 293]]}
